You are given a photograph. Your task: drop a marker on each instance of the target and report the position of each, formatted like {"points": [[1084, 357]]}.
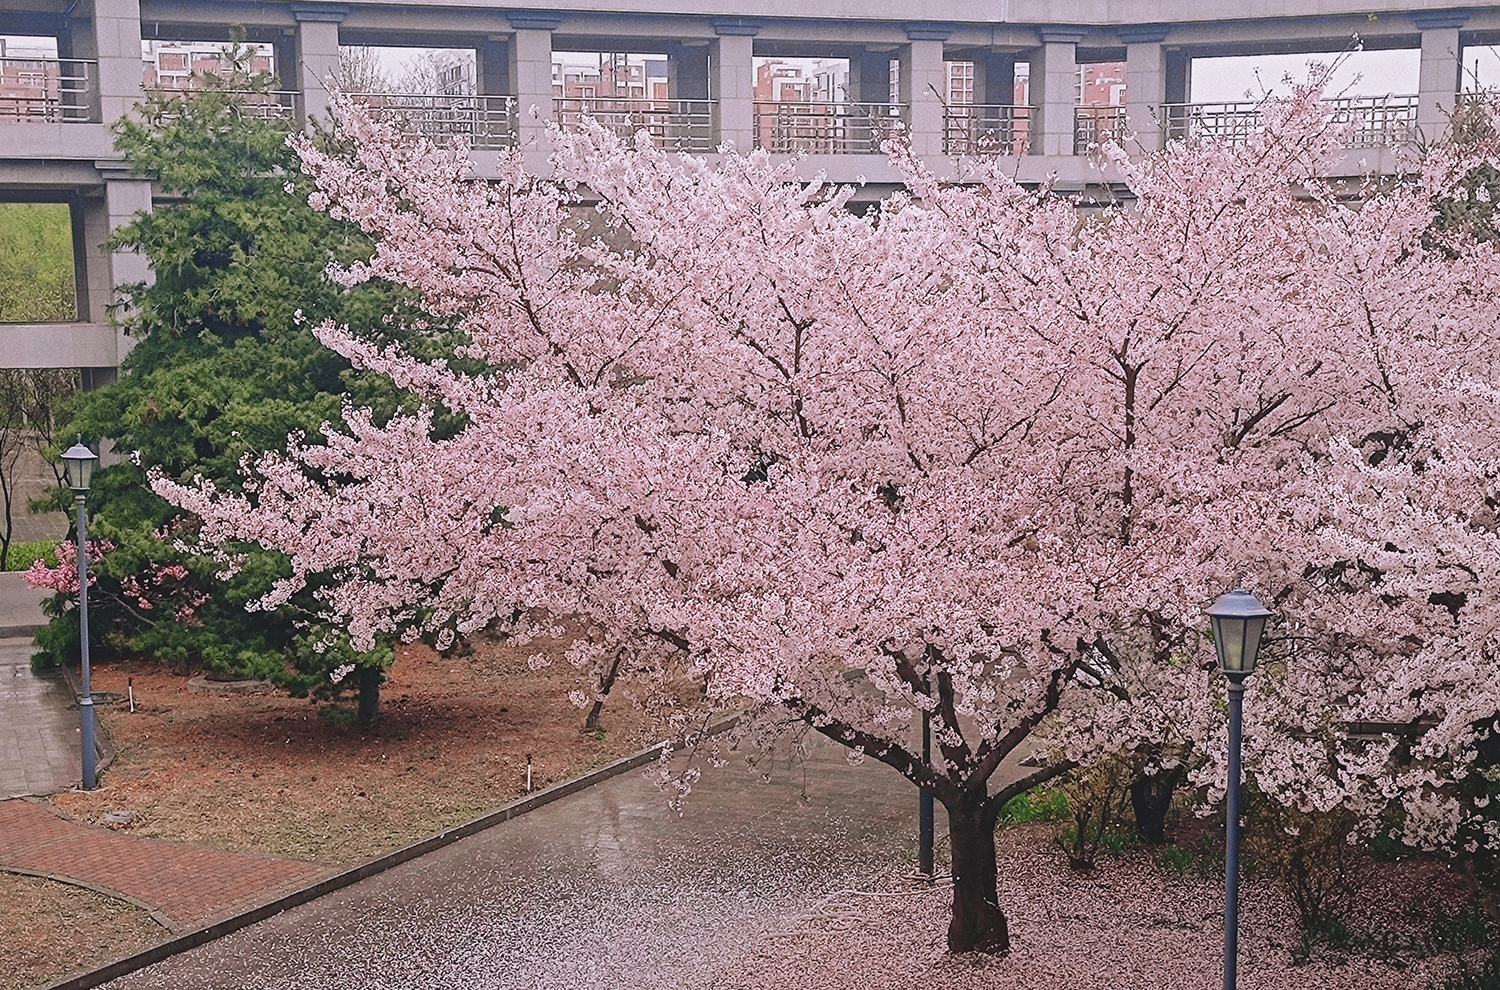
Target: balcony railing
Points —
{"points": [[1373, 121], [1093, 126], [986, 129], [47, 90], [482, 122], [826, 128], [674, 125], [276, 105]]}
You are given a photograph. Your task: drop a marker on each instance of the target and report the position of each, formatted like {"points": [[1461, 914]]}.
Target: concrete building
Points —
{"points": [[1036, 82]]}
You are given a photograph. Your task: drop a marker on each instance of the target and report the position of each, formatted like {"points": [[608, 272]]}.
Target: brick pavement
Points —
{"points": [[186, 884]]}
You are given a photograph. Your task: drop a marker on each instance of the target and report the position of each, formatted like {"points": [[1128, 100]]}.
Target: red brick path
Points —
{"points": [[187, 884]]}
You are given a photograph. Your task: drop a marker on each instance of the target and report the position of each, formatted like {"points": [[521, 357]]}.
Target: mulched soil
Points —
{"points": [[269, 774], [49, 929]]}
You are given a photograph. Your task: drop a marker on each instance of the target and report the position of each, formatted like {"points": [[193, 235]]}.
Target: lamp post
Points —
{"points": [[1238, 620], [78, 462]]}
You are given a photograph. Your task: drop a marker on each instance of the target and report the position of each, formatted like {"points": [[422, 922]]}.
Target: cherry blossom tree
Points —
{"points": [[973, 453]]}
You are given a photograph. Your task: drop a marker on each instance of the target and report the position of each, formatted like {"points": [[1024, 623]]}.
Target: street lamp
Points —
{"points": [[1238, 620], [78, 462]]}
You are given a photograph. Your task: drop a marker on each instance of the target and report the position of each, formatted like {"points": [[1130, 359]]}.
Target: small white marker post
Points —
{"points": [[528, 773], [130, 690]]}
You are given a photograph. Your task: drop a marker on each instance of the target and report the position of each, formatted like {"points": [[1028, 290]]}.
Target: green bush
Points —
{"points": [[23, 555], [1041, 805]]}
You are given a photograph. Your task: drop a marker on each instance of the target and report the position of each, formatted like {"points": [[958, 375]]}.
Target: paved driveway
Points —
{"points": [[608, 888]]}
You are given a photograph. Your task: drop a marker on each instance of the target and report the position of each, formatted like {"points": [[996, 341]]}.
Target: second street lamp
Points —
{"points": [[1238, 620], [78, 462]]}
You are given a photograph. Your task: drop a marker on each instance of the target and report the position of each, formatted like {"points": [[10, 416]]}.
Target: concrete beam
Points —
{"points": [[59, 345]]}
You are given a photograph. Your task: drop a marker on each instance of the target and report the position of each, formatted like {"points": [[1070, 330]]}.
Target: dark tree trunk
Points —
{"points": [[591, 724], [369, 680], [1151, 797], [978, 924]]}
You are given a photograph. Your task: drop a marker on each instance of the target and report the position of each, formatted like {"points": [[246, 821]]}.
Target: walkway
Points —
{"points": [[39, 734], [607, 888], [185, 886]]}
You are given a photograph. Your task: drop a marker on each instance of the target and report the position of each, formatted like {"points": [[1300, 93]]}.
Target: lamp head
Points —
{"points": [[1238, 620], [78, 463]]}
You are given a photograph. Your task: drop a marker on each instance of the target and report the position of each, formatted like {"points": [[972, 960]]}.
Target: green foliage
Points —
{"points": [[1174, 860], [1040, 805], [225, 366], [22, 555], [36, 263]]}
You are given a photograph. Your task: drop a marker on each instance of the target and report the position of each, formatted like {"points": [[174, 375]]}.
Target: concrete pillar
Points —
{"points": [[99, 270], [736, 81], [870, 77], [317, 55], [994, 79], [1438, 75], [531, 79], [494, 66], [117, 46], [687, 72], [1145, 85], [1054, 90], [924, 85]]}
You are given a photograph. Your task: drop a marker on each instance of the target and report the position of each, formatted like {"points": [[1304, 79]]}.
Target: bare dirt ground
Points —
{"points": [[49, 928], [268, 773]]}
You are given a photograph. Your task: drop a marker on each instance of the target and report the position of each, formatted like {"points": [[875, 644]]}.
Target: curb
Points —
{"points": [[21, 632], [218, 929], [104, 749]]}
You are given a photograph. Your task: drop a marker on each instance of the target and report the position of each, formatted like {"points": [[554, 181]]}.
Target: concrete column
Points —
{"points": [[1145, 84], [994, 79], [1054, 89], [687, 72], [317, 55], [1438, 75], [870, 77], [99, 270], [531, 79], [494, 66], [924, 84], [117, 46], [735, 89]]}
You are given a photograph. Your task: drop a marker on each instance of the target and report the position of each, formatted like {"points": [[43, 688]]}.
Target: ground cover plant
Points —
{"points": [[986, 457]]}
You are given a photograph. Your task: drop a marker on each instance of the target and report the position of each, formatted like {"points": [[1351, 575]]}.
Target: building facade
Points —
{"points": [[1034, 82]]}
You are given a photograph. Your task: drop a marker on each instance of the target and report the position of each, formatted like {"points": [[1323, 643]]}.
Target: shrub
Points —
{"points": [[23, 555], [1041, 805], [1097, 798]]}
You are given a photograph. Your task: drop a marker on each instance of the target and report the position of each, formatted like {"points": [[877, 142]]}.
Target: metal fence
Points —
{"points": [[674, 125], [1373, 121], [47, 90], [826, 128], [982, 129], [483, 122], [1093, 126]]}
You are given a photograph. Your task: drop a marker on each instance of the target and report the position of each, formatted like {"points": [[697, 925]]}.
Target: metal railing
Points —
{"points": [[983, 129], [674, 125], [826, 128], [482, 122], [47, 90], [1093, 126], [1373, 121], [275, 105]]}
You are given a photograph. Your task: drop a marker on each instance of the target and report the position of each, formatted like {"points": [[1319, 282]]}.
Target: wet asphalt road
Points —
{"points": [[607, 888]]}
